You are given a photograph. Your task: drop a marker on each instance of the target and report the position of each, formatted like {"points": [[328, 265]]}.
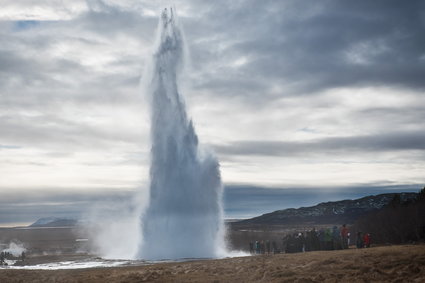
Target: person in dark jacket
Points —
{"points": [[315, 244], [322, 239], [344, 236], [300, 241], [268, 247], [359, 241], [274, 247], [251, 247], [336, 238], [328, 239]]}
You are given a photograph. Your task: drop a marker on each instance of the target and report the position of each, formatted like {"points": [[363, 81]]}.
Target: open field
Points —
{"points": [[51, 240], [378, 264]]}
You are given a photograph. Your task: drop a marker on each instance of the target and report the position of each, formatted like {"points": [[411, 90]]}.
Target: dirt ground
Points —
{"points": [[376, 264]]}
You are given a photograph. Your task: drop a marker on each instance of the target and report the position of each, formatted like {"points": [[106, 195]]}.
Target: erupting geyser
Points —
{"points": [[184, 215]]}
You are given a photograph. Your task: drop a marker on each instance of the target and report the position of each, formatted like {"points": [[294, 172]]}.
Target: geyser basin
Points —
{"points": [[184, 214]]}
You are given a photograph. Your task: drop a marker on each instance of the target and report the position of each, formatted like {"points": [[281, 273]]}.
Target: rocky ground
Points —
{"points": [[376, 264]]}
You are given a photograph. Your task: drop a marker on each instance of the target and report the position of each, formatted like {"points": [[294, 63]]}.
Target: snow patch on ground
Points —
{"points": [[70, 265]]}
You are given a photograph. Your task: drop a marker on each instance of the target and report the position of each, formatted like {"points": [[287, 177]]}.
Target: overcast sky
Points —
{"points": [[287, 93]]}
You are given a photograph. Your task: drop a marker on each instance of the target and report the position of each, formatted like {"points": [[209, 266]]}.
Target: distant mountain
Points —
{"points": [[54, 222], [336, 212]]}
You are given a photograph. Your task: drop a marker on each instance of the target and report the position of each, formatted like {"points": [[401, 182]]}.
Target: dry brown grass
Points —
{"points": [[378, 264]]}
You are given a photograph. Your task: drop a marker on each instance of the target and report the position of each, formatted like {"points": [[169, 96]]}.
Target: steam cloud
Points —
{"points": [[113, 229], [15, 249]]}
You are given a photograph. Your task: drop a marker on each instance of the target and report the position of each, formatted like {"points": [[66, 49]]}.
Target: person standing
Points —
{"points": [[344, 236], [366, 240], [336, 238], [267, 246], [315, 240], [274, 247], [251, 248], [359, 240]]}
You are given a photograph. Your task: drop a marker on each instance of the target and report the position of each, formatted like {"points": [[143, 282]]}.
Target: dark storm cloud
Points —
{"points": [[303, 45], [397, 141], [319, 45]]}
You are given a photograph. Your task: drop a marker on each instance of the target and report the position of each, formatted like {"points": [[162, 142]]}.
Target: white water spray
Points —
{"points": [[184, 215]]}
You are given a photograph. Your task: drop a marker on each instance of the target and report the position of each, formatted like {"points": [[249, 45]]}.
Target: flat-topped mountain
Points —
{"points": [[335, 212], [54, 222]]}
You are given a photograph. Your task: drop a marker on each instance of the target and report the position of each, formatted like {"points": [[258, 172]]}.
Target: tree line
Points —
{"points": [[398, 222]]}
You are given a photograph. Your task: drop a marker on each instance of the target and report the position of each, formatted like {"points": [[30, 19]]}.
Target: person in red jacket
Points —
{"points": [[344, 236], [366, 240]]}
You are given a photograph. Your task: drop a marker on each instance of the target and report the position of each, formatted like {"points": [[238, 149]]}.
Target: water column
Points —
{"points": [[184, 215]]}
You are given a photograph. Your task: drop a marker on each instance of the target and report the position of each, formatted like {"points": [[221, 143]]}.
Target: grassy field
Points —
{"points": [[377, 264]]}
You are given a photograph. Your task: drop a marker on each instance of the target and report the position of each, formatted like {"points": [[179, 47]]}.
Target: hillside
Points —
{"points": [[336, 212]]}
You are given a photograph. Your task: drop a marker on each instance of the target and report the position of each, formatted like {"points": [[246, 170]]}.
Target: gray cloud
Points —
{"points": [[307, 44], [54, 132], [395, 141]]}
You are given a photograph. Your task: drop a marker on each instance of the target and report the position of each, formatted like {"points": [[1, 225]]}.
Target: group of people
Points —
{"points": [[6, 255], [318, 240], [313, 240], [263, 247], [363, 241]]}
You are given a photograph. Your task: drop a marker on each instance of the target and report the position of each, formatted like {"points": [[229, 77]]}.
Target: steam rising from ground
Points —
{"points": [[15, 249], [113, 230], [184, 215]]}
